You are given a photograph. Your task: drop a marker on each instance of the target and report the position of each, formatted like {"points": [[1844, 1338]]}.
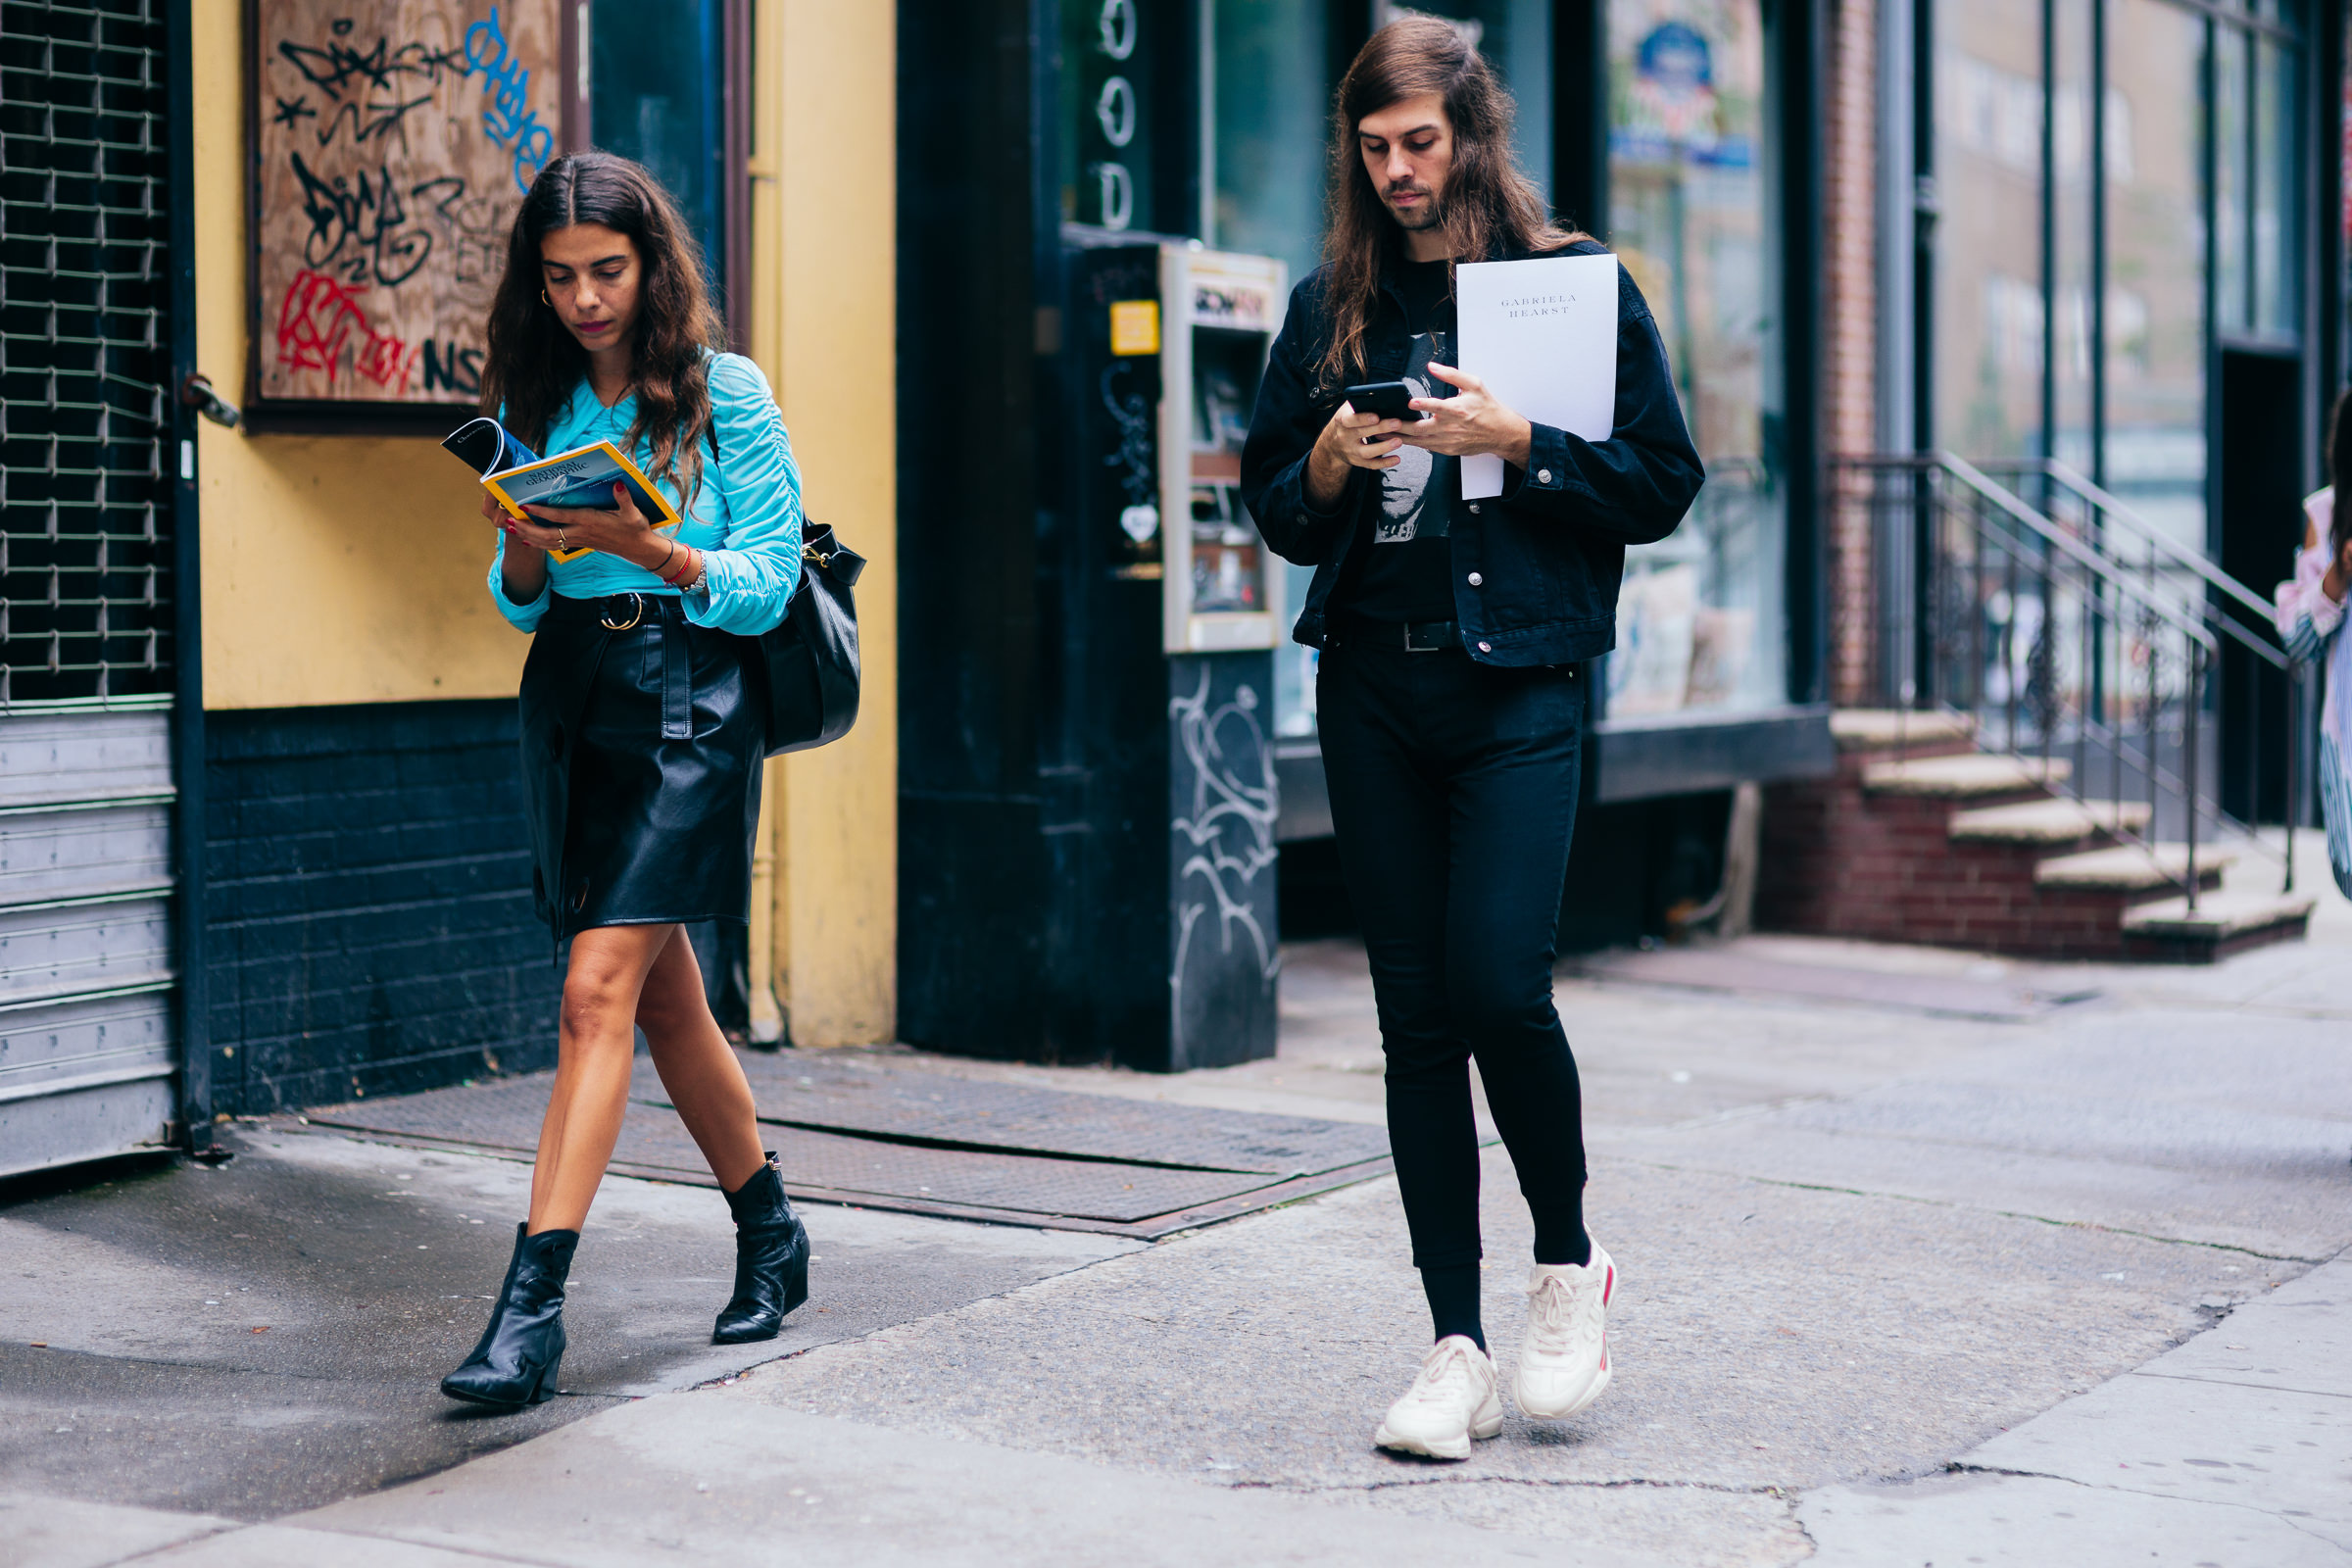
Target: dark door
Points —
{"points": [[2255, 529]]}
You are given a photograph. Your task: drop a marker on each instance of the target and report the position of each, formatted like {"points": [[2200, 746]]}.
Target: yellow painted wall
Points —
{"points": [[824, 328], [345, 569], [336, 568]]}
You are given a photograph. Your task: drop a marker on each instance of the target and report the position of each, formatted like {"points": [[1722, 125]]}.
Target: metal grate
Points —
{"points": [[84, 247]]}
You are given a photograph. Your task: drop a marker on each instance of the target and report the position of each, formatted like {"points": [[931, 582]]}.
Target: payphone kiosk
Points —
{"points": [[1168, 607]]}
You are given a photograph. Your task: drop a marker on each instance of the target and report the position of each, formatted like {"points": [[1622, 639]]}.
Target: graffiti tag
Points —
{"points": [[508, 120], [321, 326]]}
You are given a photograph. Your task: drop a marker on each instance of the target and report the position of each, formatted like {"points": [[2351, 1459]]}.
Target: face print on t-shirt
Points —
{"points": [[1416, 495]]}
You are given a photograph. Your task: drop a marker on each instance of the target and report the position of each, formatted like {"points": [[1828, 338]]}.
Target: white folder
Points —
{"points": [[1543, 335]]}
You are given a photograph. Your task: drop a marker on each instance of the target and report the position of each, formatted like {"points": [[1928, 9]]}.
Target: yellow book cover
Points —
{"points": [[581, 477]]}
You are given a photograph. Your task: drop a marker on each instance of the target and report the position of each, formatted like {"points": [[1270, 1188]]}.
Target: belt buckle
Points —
{"points": [[636, 615], [1412, 646]]}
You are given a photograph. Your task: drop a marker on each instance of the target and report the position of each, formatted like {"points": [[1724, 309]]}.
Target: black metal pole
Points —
{"points": [[187, 599]]}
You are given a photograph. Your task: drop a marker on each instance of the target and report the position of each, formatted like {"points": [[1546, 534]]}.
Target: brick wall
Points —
{"points": [[368, 904], [1849, 352]]}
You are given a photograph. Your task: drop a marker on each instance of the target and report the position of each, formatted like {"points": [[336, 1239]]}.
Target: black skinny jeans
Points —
{"points": [[1454, 795]]}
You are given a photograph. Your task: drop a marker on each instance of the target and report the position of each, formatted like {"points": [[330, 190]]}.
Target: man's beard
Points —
{"points": [[1430, 214]]}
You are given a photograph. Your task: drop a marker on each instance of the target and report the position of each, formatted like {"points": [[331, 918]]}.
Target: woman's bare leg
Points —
{"points": [[594, 1048], [703, 1079]]}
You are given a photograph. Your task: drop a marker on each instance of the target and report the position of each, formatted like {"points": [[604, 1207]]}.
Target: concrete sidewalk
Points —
{"points": [[2235, 1450], [1861, 1243]]}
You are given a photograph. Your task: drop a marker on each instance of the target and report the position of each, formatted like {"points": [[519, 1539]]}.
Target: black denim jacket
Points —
{"points": [[1549, 550]]}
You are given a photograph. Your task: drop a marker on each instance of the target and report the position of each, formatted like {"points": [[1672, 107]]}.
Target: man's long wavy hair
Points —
{"points": [[534, 362], [1489, 206]]}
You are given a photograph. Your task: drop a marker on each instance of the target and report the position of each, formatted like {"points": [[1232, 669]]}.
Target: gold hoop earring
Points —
{"points": [[543, 300]]}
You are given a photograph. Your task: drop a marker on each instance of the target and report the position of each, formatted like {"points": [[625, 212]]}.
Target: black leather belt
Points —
{"points": [[1413, 636], [668, 661]]}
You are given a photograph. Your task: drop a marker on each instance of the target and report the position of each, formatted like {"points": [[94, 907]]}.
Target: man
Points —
{"points": [[1451, 687]]}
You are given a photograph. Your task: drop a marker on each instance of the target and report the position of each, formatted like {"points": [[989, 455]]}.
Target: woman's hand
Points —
{"points": [[1350, 440], [1470, 422], [624, 531], [492, 511]]}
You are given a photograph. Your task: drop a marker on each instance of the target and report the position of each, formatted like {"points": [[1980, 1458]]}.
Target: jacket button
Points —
{"points": [[1486, 648], [1478, 579], [1542, 476]]}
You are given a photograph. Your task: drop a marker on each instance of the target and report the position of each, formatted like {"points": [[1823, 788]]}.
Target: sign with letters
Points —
{"points": [[392, 143]]}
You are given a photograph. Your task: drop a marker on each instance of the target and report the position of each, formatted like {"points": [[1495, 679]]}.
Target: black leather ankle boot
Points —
{"points": [[771, 1260], [521, 1350]]}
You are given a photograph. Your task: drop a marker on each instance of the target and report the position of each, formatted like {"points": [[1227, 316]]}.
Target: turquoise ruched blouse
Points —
{"points": [[746, 516]]}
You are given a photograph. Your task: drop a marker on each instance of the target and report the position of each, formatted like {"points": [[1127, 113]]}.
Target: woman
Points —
{"points": [[2311, 620], [1450, 690], [642, 734]]}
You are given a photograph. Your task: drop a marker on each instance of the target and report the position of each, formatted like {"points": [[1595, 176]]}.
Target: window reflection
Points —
{"points": [[656, 94], [2155, 438], [1699, 619]]}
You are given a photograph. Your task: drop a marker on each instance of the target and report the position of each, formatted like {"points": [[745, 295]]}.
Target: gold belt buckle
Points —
{"points": [[636, 615]]}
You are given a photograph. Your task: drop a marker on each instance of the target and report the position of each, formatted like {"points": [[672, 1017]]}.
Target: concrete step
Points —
{"points": [[2131, 868], [2047, 822], [2224, 922], [1972, 775], [1886, 729]]}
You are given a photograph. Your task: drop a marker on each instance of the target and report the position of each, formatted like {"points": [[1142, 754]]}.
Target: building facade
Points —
{"points": [[257, 729], [264, 843]]}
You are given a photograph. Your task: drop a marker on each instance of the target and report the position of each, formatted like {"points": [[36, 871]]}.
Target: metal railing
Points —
{"points": [[2072, 632], [2238, 617]]}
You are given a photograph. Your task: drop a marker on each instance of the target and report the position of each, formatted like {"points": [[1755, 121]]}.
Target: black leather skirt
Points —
{"points": [[642, 738]]}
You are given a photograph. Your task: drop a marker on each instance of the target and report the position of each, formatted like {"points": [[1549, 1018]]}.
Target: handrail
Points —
{"points": [[2041, 527], [2148, 534], [2132, 608]]}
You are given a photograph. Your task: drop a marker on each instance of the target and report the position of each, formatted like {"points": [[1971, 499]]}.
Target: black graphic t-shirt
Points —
{"points": [[1400, 567]]}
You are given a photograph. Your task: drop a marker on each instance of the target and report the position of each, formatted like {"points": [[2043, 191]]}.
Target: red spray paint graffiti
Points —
{"points": [[321, 326]]}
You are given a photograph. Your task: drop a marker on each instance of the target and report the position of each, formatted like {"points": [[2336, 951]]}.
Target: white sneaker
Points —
{"points": [[1454, 1398], [1564, 1363]]}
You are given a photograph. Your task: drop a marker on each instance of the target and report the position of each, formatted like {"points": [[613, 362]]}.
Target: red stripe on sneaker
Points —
{"points": [[1608, 1285]]}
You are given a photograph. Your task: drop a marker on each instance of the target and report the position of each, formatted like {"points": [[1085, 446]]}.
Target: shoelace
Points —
{"points": [[1444, 1379], [1556, 1313]]}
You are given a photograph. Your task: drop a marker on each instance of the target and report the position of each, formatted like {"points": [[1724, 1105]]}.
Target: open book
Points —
{"points": [[584, 477]]}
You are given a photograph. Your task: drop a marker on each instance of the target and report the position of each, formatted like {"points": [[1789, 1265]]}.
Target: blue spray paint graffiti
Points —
{"points": [[508, 120]]}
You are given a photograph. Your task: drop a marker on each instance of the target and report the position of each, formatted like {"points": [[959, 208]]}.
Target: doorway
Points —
{"points": [[2257, 522]]}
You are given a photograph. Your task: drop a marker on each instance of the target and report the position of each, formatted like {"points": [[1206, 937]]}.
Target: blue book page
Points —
{"points": [[584, 478]]}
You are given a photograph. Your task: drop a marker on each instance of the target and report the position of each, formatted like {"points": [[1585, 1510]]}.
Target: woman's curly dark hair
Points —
{"points": [[534, 363]]}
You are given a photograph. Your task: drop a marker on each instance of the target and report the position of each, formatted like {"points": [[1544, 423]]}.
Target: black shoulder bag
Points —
{"points": [[812, 657]]}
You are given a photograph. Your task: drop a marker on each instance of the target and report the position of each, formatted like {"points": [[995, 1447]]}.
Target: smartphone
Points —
{"points": [[1391, 400]]}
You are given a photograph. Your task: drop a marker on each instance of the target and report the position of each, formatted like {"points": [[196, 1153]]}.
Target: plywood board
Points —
{"points": [[392, 143]]}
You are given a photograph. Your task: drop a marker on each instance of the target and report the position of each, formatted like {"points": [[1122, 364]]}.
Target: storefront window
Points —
{"points": [[2156, 326], [656, 93], [1700, 618], [1988, 193], [1270, 147]]}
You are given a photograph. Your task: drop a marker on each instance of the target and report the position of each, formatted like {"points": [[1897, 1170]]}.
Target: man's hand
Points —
{"points": [[1470, 422], [1350, 440]]}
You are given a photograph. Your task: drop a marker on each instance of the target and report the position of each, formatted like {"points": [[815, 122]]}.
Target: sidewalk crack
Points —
{"points": [[1962, 1467]]}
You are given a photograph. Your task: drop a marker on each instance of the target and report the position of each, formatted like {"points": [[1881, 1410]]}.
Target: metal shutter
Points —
{"points": [[86, 1048]]}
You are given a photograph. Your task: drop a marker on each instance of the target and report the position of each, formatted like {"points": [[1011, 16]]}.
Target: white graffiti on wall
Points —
{"points": [[1230, 829]]}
